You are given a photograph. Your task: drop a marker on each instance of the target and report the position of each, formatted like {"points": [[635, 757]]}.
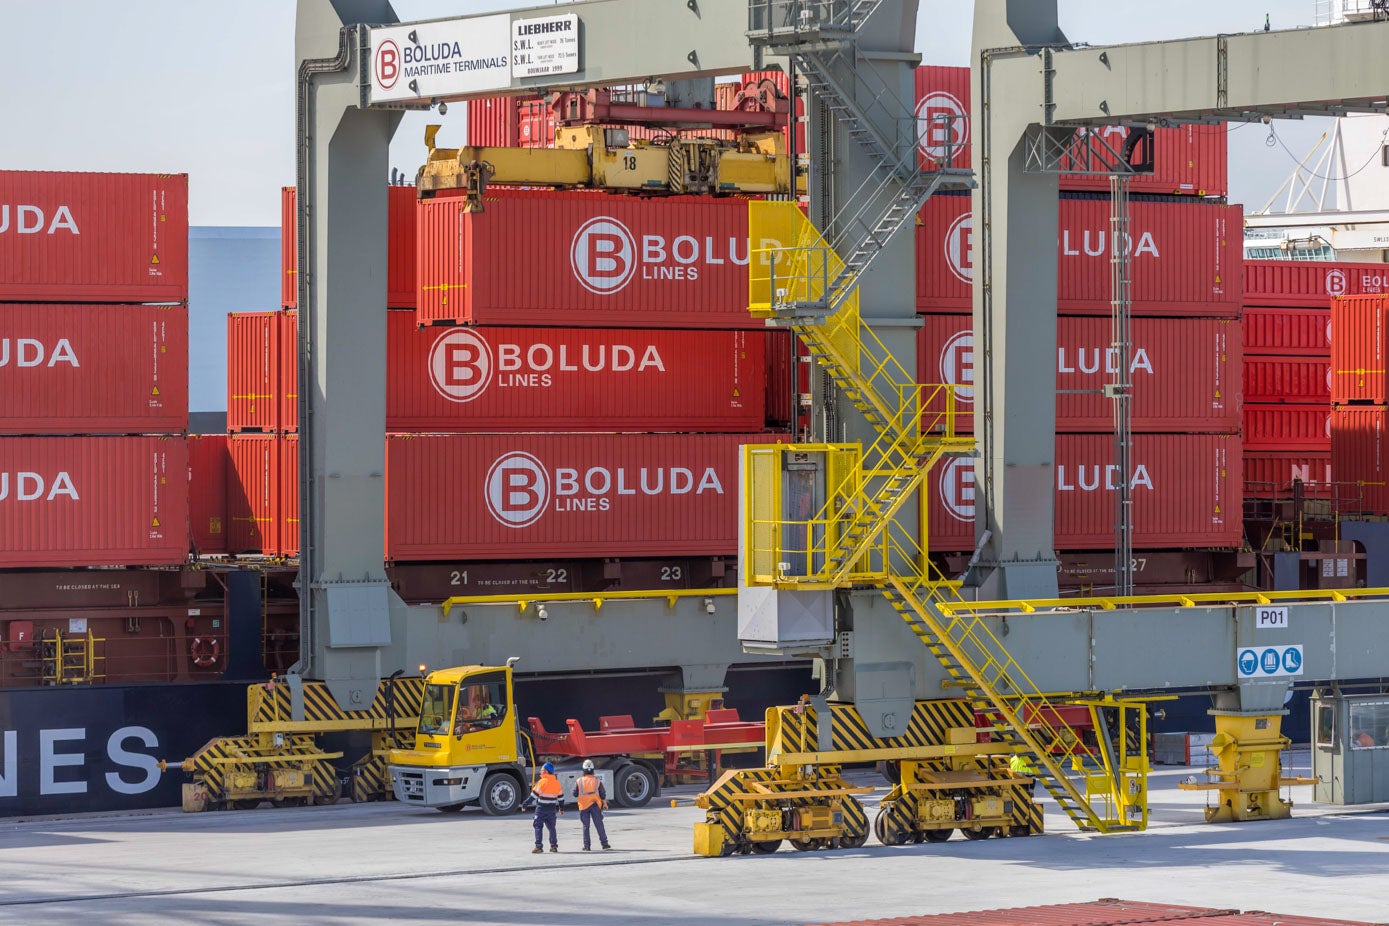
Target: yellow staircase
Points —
{"points": [[853, 539]]}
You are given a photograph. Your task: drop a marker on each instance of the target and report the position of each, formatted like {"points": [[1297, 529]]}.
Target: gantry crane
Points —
{"points": [[833, 566]]}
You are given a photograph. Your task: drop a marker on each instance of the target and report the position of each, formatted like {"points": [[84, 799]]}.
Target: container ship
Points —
{"points": [[148, 574]]}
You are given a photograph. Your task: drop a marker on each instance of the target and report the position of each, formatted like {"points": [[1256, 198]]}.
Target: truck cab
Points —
{"points": [[466, 746]]}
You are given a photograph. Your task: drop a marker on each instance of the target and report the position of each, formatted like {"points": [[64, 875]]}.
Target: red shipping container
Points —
{"points": [[400, 248], [1184, 257], [262, 353], [572, 379], [1358, 356], [1184, 370], [493, 122], [1287, 332], [589, 260], [253, 500], [1284, 427], [93, 501], [1359, 454], [562, 495], [1272, 474], [1299, 380], [1186, 492], [93, 369], [1189, 160], [207, 493], [1309, 283], [88, 237], [520, 379]]}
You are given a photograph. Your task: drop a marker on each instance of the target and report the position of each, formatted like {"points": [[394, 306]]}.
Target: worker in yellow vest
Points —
{"points": [[593, 800], [548, 793]]}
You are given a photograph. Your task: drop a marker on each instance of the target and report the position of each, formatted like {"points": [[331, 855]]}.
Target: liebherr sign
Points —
{"points": [[448, 58]]}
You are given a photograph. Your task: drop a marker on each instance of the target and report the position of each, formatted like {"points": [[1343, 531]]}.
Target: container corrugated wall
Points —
{"points": [[1185, 257], [561, 495], [1300, 380], [572, 379], [253, 498], [93, 501], [493, 122], [259, 346], [1287, 332], [589, 260], [207, 493], [1309, 284], [1358, 453], [1271, 474], [1185, 371], [781, 387], [1285, 426], [91, 237], [93, 369], [1358, 355], [400, 248], [1186, 492]]}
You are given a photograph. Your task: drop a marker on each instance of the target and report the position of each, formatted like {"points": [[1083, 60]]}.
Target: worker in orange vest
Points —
{"points": [[547, 792], [593, 800]]}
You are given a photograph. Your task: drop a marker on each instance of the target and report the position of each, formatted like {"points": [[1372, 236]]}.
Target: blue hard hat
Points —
{"points": [[548, 768]]}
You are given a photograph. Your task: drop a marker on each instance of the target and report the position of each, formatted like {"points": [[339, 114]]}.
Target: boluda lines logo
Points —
{"points": [[959, 248], [957, 489], [32, 220], [520, 489], [603, 255], [1336, 283], [941, 121], [462, 364], [957, 365], [606, 255]]}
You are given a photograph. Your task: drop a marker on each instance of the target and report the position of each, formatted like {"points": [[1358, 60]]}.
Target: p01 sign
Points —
{"points": [[1270, 618]]}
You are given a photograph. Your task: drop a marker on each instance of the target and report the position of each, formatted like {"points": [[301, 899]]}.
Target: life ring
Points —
{"points": [[205, 652]]}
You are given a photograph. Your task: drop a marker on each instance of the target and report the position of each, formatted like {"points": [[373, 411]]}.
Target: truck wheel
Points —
{"points": [[635, 784], [500, 795]]}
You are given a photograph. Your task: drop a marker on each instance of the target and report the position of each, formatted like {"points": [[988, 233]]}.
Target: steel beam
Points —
{"points": [[620, 42], [1324, 71], [1015, 220]]}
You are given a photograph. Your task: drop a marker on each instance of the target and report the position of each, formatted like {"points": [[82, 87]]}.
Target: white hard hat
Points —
{"points": [[588, 765]]}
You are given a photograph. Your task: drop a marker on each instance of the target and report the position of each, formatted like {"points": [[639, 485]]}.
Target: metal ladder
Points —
{"points": [[818, 37], [1019, 713]]}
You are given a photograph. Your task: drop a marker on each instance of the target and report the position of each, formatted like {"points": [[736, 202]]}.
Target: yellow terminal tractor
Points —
{"points": [[470, 750]]}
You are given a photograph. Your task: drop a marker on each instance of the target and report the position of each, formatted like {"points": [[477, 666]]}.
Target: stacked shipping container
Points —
{"points": [[93, 460], [583, 441], [1186, 360], [1287, 373], [1359, 387]]}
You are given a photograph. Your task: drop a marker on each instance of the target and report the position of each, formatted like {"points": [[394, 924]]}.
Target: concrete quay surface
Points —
{"points": [[378, 863]]}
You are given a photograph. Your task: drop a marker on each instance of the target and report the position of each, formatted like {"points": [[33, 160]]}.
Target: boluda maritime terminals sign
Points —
{"points": [[422, 61]]}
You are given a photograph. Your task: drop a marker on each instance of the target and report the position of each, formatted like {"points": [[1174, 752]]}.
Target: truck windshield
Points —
{"points": [[436, 711]]}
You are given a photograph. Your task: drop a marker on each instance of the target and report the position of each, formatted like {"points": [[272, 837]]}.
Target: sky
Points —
{"points": [[207, 88]]}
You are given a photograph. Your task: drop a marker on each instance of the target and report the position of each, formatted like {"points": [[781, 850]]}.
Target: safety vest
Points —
{"points": [[587, 790], [1019, 765], [548, 791]]}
